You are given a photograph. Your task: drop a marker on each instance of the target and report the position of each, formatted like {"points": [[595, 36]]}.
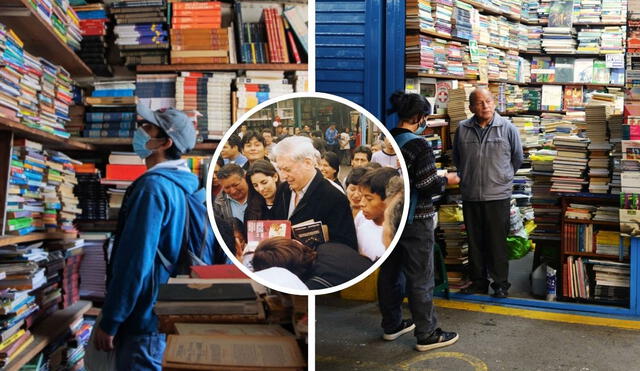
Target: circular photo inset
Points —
{"points": [[313, 191]]}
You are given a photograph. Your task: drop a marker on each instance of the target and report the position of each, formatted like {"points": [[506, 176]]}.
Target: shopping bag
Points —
{"points": [[98, 360]]}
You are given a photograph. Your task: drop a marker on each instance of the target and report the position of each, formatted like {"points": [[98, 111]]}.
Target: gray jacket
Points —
{"points": [[486, 167]]}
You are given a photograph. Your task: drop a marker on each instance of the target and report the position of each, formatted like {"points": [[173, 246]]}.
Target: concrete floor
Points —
{"points": [[348, 338]]}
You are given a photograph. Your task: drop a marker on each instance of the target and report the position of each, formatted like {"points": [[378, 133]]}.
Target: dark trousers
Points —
{"points": [[487, 225], [412, 259]]}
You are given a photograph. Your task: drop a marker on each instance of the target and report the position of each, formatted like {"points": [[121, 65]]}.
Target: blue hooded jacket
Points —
{"points": [[153, 215]]}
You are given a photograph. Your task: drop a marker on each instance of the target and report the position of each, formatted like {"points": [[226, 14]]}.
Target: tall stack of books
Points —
{"points": [[30, 87], [93, 47], [25, 199], [91, 194], [455, 57], [458, 106], [419, 53], [61, 179], [529, 128], [547, 211], [141, 31], [74, 34], [94, 265], [461, 20], [570, 164], [452, 232], [259, 86], [210, 95], [112, 110], [197, 35], [589, 11], [63, 22], [599, 146], [530, 10], [156, 91]]}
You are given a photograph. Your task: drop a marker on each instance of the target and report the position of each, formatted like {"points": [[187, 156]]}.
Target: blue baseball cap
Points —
{"points": [[178, 126]]}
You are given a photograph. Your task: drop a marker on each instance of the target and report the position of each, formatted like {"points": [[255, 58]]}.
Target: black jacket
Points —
{"points": [[322, 202], [335, 264]]}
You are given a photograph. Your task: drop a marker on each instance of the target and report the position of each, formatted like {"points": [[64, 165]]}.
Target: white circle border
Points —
{"points": [[247, 271]]}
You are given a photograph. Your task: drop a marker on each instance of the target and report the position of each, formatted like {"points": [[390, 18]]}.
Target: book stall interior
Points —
{"points": [[566, 74], [71, 75]]}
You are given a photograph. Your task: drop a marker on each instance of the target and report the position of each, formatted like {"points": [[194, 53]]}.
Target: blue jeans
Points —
{"points": [[412, 259], [140, 352]]}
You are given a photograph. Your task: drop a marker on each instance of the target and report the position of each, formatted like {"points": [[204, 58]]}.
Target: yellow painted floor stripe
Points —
{"points": [[540, 315]]}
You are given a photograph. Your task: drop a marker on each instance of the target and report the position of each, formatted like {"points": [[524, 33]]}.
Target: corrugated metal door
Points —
{"points": [[358, 56]]}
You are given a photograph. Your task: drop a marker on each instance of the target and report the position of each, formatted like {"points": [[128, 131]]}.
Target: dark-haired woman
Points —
{"points": [[413, 255], [263, 180], [329, 167]]}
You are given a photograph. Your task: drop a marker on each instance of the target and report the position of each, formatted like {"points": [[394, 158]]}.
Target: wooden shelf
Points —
{"points": [[47, 331], [492, 10], [508, 82], [40, 39], [37, 236], [101, 143], [594, 255], [222, 67], [595, 222], [459, 39], [40, 136]]}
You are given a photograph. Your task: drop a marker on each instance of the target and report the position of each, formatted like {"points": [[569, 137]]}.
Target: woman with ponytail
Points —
{"points": [[413, 255]]}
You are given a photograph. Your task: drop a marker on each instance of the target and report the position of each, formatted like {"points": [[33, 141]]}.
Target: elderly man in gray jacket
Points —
{"points": [[487, 153]]}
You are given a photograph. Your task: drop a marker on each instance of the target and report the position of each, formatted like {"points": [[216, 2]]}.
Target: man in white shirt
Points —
{"points": [[370, 219], [305, 194], [387, 156]]}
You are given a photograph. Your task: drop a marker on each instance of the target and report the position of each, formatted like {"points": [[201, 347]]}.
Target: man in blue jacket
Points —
{"points": [[151, 219], [487, 153]]}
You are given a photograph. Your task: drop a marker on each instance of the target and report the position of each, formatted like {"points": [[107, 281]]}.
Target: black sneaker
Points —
{"points": [[405, 326], [500, 293], [438, 339], [475, 288]]}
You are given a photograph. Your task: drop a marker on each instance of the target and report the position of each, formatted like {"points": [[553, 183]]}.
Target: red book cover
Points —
{"points": [[198, 5], [271, 42], [125, 172], [225, 271], [281, 38], [258, 230], [292, 45]]}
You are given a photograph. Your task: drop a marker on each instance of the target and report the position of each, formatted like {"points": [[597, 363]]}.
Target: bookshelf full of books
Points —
{"points": [[564, 73]]}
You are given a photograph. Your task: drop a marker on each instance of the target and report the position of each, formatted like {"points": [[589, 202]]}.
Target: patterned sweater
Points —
{"points": [[421, 167]]}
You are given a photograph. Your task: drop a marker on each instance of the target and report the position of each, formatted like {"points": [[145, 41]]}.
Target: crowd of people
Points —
{"points": [[328, 177]]}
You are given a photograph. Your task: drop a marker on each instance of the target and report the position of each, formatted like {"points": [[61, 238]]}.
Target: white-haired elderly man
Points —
{"points": [[305, 194]]}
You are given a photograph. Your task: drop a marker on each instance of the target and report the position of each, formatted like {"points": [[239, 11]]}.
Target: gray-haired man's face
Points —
{"points": [[296, 173]]}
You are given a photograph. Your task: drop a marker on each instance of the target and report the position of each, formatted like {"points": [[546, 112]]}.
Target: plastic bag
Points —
{"points": [[518, 247]]}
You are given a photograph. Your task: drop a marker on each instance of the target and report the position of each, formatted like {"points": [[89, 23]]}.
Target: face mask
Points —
{"points": [[140, 140], [421, 127]]}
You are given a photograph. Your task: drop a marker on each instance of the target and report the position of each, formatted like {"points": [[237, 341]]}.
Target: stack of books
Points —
{"points": [[24, 198], [208, 94], [259, 86], [589, 11], [443, 12], [141, 31], [607, 214], [612, 40], [611, 281], [599, 146], [419, 15], [570, 164], [544, 203], [94, 265], [458, 106], [559, 40], [301, 81], [123, 168], [452, 233], [68, 354], [530, 10], [62, 19], [419, 53], [61, 180], [529, 128], [156, 91], [112, 110], [455, 56], [197, 35], [18, 307], [589, 40], [91, 194], [70, 275], [461, 20], [614, 11], [534, 39], [93, 47]]}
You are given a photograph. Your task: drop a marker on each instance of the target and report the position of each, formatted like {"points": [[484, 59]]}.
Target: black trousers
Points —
{"points": [[411, 259], [487, 224]]}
